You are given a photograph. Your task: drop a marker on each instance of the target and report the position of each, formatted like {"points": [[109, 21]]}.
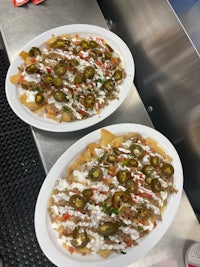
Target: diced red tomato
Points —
{"points": [[94, 189], [121, 159], [100, 39], [82, 112], [63, 218], [111, 170], [99, 63], [143, 141], [77, 36], [76, 191], [71, 249], [69, 91], [48, 70], [115, 60], [129, 242], [107, 73], [128, 213], [145, 195], [98, 106], [105, 180], [21, 79], [82, 56], [66, 217], [76, 43], [33, 59]]}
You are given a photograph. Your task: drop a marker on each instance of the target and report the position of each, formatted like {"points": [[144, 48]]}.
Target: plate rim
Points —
{"points": [[49, 125], [171, 209]]}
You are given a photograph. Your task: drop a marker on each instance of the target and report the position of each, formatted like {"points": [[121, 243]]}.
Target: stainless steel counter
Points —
{"points": [[20, 25]]}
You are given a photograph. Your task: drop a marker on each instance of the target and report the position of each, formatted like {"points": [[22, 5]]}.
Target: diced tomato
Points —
{"points": [[66, 217], [63, 218], [145, 195], [100, 39], [129, 242], [128, 213], [82, 112], [69, 91], [76, 43], [105, 180], [107, 73], [138, 221], [21, 79], [84, 57], [122, 159], [115, 60], [99, 63], [71, 249], [98, 106], [94, 189], [48, 70], [111, 170], [33, 59], [143, 141], [76, 36], [76, 191]]}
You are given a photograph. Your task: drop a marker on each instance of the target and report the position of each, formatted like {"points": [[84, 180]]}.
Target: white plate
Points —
{"points": [[47, 236], [83, 30]]}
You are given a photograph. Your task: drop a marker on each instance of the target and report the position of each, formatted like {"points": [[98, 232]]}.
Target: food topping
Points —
{"points": [[73, 73], [113, 194]]}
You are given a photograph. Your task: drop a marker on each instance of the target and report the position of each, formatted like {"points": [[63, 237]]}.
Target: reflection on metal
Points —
{"points": [[188, 11], [167, 75], [194, 129]]}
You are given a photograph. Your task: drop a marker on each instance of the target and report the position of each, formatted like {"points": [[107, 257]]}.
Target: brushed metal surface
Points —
{"points": [[188, 13]]}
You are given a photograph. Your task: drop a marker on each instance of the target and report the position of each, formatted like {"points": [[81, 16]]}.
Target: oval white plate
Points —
{"points": [[47, 236], [83, 30]]}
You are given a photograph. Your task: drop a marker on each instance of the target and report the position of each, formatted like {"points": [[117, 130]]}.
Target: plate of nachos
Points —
{"points": [[70, 77], [109, 198]]}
